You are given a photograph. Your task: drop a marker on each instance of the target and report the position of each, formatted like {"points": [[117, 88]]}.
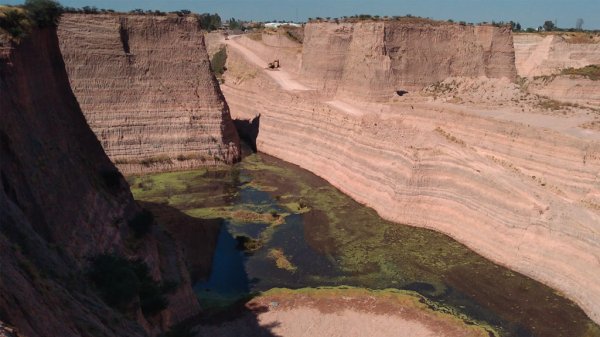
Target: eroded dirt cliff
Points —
{"points": [[539, 55], [145, 86], [372, 60], [62, 202]]}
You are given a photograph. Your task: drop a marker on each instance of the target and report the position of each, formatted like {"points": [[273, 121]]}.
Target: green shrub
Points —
{"points": [[218, 62], [592, 72], [141, 223], [14, 21], [120, 281], [208, 21], [45, 13]]}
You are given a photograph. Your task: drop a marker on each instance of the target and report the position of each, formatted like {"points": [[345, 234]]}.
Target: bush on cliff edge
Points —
{"points": [[17, 21], [44, 13]]}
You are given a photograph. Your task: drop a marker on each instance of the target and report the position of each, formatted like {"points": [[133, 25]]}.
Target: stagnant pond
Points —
{"points": [[282, 226]]}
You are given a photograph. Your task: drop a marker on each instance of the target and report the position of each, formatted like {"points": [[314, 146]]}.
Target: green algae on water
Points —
{"points": [[321, 237]]}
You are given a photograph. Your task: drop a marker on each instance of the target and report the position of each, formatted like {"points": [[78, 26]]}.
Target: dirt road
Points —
{"points": [[280, 76]]}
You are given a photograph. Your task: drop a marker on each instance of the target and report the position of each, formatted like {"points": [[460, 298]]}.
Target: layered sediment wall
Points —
{"points": [[62, 202], [526, 197], [568, 88], [372, 60], [540, 55], [145, 86]]}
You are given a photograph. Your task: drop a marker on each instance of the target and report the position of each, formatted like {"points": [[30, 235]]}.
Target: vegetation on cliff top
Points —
{"points": [[17, 21]]}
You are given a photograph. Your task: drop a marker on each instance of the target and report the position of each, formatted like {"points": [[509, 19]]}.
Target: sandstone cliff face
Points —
{"points": [[372, 60], [568, 88], [146, 89], [61, 202], [538, 55], [526, 197]]}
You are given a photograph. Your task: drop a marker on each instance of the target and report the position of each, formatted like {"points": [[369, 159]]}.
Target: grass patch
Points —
{"points": [[554, 105], [162, 159], [282, 261], [298, 207], [591, 72], [238, 216]]}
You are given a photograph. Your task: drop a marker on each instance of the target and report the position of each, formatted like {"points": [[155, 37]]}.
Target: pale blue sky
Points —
{"points": [[530, 13]]}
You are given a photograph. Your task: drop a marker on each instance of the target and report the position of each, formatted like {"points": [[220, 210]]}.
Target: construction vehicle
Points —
{"points": [[274, 65]]}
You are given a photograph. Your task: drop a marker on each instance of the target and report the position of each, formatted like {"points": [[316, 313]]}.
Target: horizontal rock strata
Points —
{"points": [[539, 55], [568, 88], [525, 197], [372, 60], [146, 89]]}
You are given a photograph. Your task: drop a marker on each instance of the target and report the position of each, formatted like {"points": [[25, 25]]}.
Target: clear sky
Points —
{"points": [[530, 13]]}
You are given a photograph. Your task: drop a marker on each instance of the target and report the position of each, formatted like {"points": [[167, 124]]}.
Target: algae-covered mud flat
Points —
{"points": [[283, 227]]}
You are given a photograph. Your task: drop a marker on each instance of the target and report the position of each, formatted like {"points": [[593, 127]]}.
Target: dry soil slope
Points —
{"points": [[526, 197], [568, 88], [61, 202], [283, 47], [542, 58], [372, 60], [539, 55], [145, 86]]}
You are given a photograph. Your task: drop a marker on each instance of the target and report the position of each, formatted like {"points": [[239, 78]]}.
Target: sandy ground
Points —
{"points": [[570, 125], [309, 322], [345, 323], [321, 314]]}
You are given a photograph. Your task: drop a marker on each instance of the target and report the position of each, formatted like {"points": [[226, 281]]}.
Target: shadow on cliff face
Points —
{"points": [[214, 264], [197, 237], [240, 320], [248, 130]]}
